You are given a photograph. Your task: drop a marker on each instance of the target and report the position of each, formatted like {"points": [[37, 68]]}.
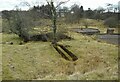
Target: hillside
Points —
{"points": [[40, 61], [0, 50]]}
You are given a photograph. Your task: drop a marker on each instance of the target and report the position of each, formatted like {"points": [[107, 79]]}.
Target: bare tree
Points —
{"points": [[109, 7], [54, 17]]}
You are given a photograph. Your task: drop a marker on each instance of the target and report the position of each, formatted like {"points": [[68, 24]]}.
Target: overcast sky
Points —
{"points": [[93, 4]]}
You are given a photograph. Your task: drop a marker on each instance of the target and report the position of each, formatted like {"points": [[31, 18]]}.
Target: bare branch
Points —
{"points": [[62, 3], [48, 2], [25, 4]]}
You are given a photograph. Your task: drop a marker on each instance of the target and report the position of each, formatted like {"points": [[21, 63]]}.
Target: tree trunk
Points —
{"points": [[54, 17]]}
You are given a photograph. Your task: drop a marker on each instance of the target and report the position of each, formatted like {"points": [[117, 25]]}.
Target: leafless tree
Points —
{"points": [[54, 17]]}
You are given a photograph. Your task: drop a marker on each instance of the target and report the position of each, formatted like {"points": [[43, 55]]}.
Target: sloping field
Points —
{"points": [[0, 57], [39, 60], [0, 49]]}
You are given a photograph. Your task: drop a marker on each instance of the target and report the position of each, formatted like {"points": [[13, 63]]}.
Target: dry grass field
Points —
{"points": [[39, 60]]}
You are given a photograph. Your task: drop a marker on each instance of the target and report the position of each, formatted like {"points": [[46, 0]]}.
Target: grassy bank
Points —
{"points": [[0, 57], [39, 60], [0, 49]]}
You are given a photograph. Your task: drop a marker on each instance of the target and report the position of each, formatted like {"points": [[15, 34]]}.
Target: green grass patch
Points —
{"points": [[39, 60]]}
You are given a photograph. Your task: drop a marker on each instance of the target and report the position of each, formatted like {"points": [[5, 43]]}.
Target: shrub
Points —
{"points": [[18, 22], [111, 22]]}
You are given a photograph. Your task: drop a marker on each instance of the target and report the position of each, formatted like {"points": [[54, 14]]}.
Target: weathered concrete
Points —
{"points": [[110, 38], [88, 31]]}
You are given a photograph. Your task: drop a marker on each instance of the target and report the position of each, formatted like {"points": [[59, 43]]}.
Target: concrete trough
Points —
{"points": [[110, 38], [87, 31]]}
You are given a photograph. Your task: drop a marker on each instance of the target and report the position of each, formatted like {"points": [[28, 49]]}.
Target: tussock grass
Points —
{"points": [[0, 49], [0, 57], [40, 61]]}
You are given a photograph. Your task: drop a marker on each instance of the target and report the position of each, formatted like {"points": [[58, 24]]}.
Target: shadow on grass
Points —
{"points": [[64, 52]]}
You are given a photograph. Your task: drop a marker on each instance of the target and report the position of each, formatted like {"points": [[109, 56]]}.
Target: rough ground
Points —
{"points": [[0, 57], [39, 60], [0, 49]]}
